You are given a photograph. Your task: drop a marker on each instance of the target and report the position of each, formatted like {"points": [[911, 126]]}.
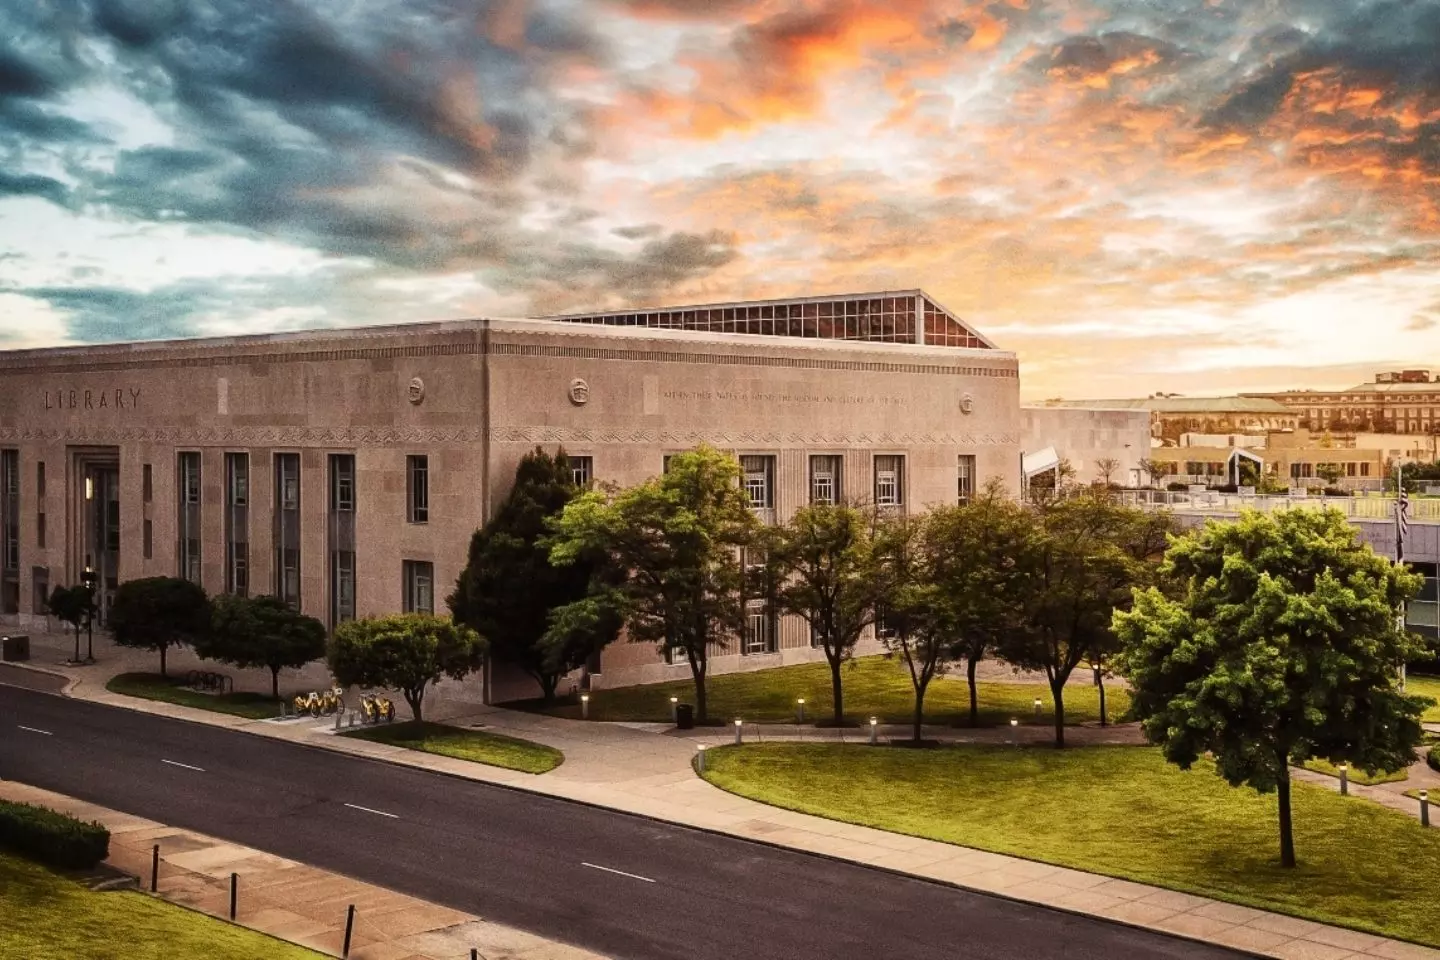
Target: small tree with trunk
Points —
{"points": [[1087, 555], [157, 613], [673, 549], [823, 571], [1106, 466], [1155, 470], [264, 632], [406, 652], [509, 588], [976, 577], [906, 622], [1280, 645], [72, 605]]}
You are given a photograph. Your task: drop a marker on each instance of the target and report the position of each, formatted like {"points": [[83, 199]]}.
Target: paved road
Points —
{"points": [[617, 884]]}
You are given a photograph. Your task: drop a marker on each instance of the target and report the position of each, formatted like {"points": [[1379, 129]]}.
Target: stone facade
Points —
{"points": [[127, 425], [1083, 437]]}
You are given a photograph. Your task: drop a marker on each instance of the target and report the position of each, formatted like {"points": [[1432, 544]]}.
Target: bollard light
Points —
{"points": [[874, 723], [584, 706], [1424, 808], [1014, 724], [739, 727], [1344, 779], [1037, 706], [800, 709], [675, 710], [700, 757]]}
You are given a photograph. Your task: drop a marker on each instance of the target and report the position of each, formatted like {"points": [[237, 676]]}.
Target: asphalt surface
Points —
{"points": [[624, 886]]}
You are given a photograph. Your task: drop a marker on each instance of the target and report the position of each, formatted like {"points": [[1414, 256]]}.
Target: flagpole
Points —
{"points": [[1400, 521]]}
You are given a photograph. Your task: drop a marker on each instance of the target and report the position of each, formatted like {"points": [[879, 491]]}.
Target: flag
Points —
{"points": [[1402, 523]]}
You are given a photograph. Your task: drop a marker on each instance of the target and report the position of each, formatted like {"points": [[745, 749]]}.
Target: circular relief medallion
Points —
{"points": [[417, 390], [579, 392], [967, 403]]}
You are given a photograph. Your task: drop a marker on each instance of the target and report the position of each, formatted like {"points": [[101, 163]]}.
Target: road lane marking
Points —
{"points": [[380, 813], [177, 763], [632, 876], [35, 730]]}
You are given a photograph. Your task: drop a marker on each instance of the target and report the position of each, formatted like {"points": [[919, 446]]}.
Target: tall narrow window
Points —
{"points": [[965, 478], [40, 505], [582, 470], [417, 489], [147, 543], [9, 531], [760, 629], [825, 479], [188, 488], [340, 531], [759, 480], [419, 586], [237, 524], [889, 481], [287, 528], [147, 484], [40, 480]]}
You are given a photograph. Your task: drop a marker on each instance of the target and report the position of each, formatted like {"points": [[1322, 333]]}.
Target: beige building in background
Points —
{"points": [[1085, 438], [345, 470]]}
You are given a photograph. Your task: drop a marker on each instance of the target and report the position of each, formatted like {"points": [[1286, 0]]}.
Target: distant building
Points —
{"points": [[1407, 402], [1170, 416]]}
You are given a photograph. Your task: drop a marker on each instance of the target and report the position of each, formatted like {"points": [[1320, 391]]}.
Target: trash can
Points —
{"points": [[15, 648], [684, 716]]}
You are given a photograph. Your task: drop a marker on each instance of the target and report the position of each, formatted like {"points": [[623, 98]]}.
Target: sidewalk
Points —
{"points": [[645, 769], [294, 902]]}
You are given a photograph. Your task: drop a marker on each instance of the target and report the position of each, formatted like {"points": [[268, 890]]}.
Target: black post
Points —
{"points": [[155, 868], [234, 884], [349, 927], [474, 953]]}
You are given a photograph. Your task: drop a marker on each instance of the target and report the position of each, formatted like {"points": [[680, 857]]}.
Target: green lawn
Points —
{"points": [[1119, 811], [1426, 687], [475, 745], [44, 916], [1356, 776], [873, 687], [151, 686]]}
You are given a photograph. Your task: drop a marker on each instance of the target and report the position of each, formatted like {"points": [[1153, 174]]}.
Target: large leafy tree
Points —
{"points": [[509, 587], [823, 571], [1088, 553], [74, 605], [261, 632], [406, 652], [672, 546], [157, 613], [977, 579], [1280, 644]]}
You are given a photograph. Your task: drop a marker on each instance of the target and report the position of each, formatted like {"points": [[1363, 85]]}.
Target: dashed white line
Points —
{"points": [[632, 876], [379, 813], [177, 763], [34, 730]]}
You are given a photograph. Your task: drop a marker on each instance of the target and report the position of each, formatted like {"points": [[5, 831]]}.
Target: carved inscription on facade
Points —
{"points": [[742, 396], [118, 398]]}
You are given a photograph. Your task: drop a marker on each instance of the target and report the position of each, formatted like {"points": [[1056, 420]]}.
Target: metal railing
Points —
{"points": [[1211, 501]]}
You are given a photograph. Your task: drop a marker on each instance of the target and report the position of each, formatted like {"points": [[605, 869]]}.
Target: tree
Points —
{"points": [[906, 621], [261, 632], [1280, 644], [73, 605], [1330, 473], [976, 579], [1087, 555], [1107, 467], [405, 652], [1156, 470], [157, 613], [673, 546], [822, 565], [509, 587]]}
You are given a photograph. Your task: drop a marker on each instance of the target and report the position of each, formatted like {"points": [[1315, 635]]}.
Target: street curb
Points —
{"points": [[717, 832], [71, 682]]}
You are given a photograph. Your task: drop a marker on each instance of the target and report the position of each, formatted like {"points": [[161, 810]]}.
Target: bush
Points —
{"points": [[1176, 485], [1433, 757], [51, 838]]}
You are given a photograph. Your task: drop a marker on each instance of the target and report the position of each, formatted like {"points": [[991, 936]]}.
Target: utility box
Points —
{"points": [[15, 648], [684, 716]]}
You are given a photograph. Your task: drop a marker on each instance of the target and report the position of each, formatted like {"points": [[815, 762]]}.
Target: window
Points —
{"points": [[146, 543], [40, 579], [40, 530], [1364, 469], [889, 481], [40, 483], [965, 478], [419, 586], [287, 528], [342, 574], [289, 575], [759, 629], [146, 485], [582, 470], [417, 489], [342, 482], [825, 479], [759, 481], [10, 531], [188, 488], [237, 479], [237, 524], [237, 569], [290, 486]]}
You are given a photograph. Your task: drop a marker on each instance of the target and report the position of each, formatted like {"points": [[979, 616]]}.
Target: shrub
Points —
{"points": [[1433, 757], [1176, 485], [55, 839]]}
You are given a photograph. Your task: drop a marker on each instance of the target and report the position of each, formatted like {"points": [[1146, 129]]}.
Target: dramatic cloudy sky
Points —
{"points": [[1135, 195]]}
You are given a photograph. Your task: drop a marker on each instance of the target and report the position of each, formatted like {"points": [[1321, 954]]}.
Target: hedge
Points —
{"points": [[1433, 757], [55, 839]]}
